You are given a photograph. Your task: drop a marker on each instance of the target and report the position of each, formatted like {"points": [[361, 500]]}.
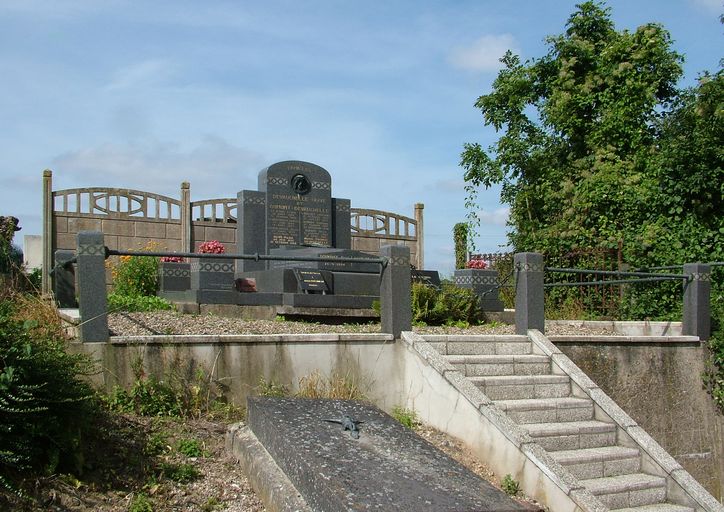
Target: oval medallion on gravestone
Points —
{"points": [[301, 184]]}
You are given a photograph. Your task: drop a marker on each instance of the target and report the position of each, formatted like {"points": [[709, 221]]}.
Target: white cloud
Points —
{"points": [[215, 168], [483, 54], [713, 6], [141, 74], [497, 217]]}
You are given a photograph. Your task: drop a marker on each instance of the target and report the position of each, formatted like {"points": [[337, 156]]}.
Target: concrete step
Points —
{"points": [[624, 491], [516, 364], [600, 462], [509, 347], [547, 410], [658, 507], [517, 387], [572, 435]]}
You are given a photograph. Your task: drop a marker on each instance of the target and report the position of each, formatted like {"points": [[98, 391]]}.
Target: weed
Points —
{"points": [[510, 485], [156, 444], [121, 302], [191, 448], [211, 505], [272, 388], [344, 387], [407, 417], [140, 503], [182, 473]]}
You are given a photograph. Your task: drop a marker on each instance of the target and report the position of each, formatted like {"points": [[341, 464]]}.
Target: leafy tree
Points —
{"points": [[598, 145], [579, 125]]}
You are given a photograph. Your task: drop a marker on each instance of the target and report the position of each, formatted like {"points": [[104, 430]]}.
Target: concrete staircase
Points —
{"points": [[542, 400]]}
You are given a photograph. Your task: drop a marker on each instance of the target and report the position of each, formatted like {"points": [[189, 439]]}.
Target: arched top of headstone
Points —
{"points": [[296, 177]]}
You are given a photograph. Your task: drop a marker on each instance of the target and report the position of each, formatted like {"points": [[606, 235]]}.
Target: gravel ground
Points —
{"points": [[171, 323]]}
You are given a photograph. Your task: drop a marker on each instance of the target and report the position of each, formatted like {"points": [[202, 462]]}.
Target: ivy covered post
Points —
{"points": [[460, 236]]}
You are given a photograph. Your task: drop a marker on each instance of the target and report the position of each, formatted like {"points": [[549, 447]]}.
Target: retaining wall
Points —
{"points": [[659, 385]]}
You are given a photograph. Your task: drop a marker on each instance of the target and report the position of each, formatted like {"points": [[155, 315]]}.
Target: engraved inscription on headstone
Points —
{"points": [[293, 207], [311, 280], [299, 202]]}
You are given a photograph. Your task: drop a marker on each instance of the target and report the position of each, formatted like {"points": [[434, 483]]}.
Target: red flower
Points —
{"points": [[212, 247], [476, 263]]}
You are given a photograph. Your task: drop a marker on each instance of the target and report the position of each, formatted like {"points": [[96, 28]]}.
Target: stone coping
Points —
{"points": [[70, 315], [616, 339], [627, 327], [251, 339]]}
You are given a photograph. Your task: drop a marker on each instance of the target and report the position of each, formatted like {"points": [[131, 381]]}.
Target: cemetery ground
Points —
{"points": [[171, 458]]}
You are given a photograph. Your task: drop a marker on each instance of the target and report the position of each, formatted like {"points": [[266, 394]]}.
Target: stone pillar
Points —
{"points": [[47, 231], [529, 314], [64, 280], [341, 223], [92, 287], [396, 306], [186, 244], [420, 234], [697, 308]]}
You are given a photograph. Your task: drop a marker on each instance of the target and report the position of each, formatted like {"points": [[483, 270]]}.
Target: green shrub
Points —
{"points": [[181, 473], [191, 448], [45, 406], [136, 275], [140, 503], [714, 373], [120, 302], [147, 397], [448, 305]]}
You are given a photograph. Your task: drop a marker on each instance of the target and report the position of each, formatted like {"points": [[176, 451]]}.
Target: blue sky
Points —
{"points": [[146, 95]]}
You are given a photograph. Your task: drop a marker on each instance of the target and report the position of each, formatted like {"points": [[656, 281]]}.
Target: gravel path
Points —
{"points": [[172, 323]]}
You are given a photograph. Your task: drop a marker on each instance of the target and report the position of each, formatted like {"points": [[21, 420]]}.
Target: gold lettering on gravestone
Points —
{"points": [[299, 220]]}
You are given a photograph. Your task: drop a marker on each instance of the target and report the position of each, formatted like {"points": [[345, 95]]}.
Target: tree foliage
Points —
{"points": [[597, 145]]}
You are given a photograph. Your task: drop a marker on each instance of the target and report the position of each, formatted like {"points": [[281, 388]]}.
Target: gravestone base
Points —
{"points": [[388, 467], [328, 301]]}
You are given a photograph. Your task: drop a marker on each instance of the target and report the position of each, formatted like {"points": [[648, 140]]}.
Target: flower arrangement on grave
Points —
{"points": [[172, 259], [477, 263], [212, 247]]}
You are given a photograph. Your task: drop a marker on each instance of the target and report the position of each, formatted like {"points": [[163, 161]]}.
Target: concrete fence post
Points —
{"points": [[92, 287], [696, 320], [185, 214], [47, 231], [420, 236], [64, 280], [529, 293], [396, 306]]}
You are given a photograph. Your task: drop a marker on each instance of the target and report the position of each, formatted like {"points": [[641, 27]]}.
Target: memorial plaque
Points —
{"points": [[298, 204], [311, 280]]}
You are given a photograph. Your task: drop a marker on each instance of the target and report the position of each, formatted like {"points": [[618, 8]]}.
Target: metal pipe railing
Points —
{"points": [[256, 257], [614, 273]]}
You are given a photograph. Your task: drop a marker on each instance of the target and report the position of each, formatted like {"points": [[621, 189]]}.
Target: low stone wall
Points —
{"points": [[659, 384], [239, 362]]}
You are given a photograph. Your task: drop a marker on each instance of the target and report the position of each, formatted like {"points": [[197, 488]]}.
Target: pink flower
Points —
{"points": [[476, 263], [172, 259], [212, 247]]}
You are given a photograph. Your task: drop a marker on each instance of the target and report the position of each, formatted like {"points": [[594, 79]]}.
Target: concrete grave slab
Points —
{"points": [[388, 467]]}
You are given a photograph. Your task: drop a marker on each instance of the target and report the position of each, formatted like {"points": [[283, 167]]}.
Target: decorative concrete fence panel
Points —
{"points": [[130, 219]]}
